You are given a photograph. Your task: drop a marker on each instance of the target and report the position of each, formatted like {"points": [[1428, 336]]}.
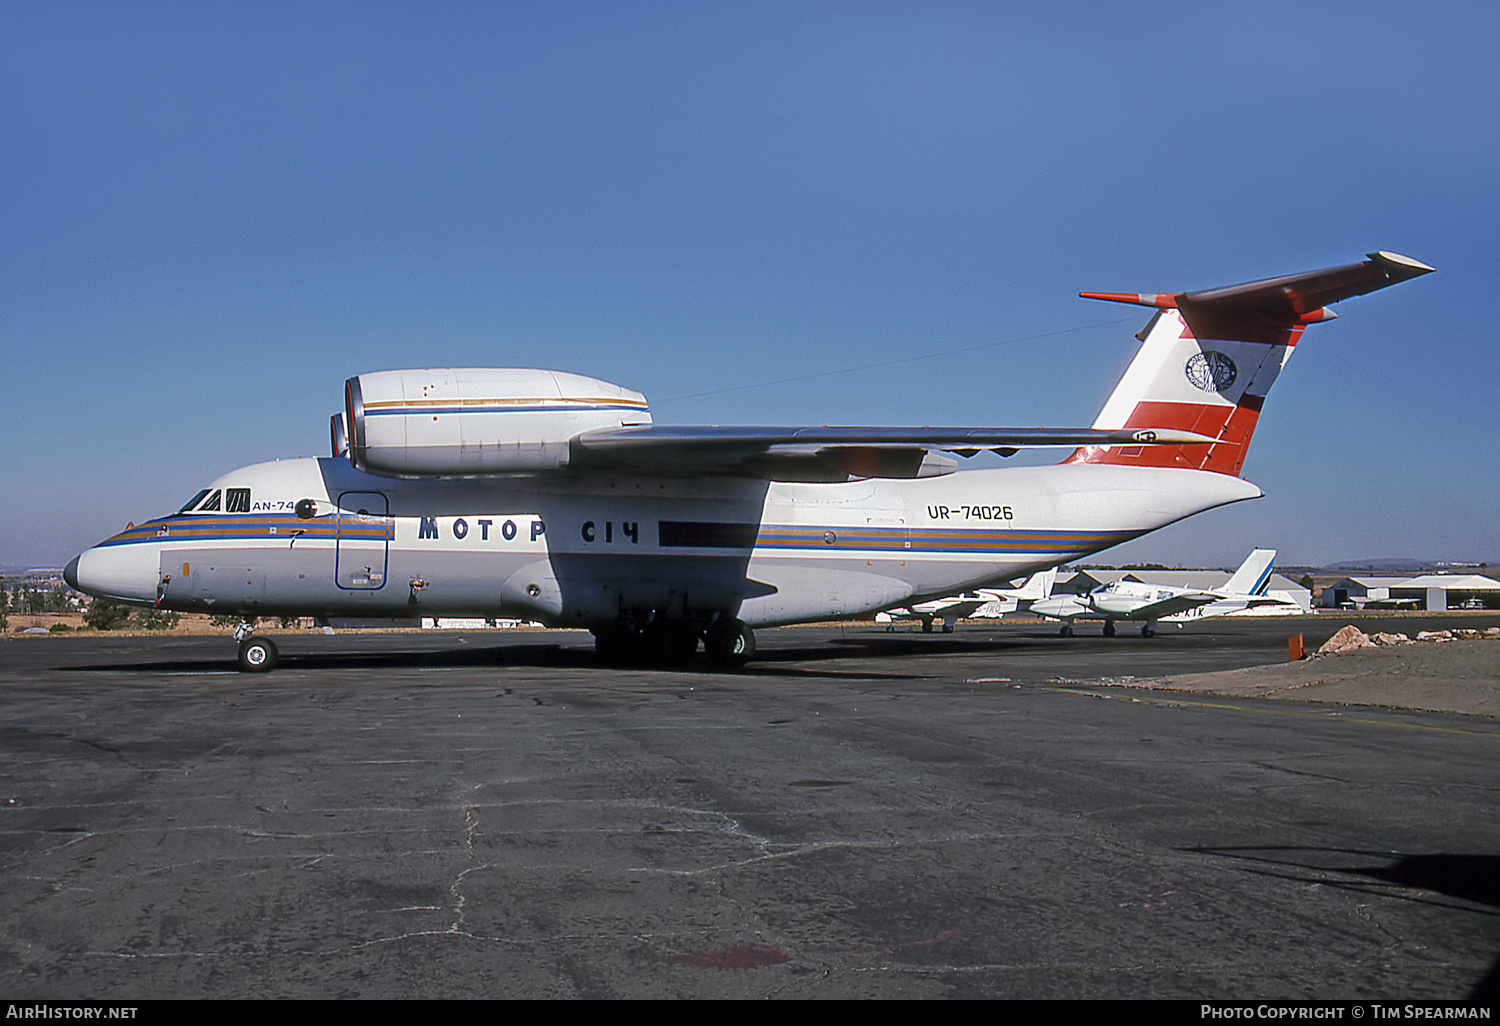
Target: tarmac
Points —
{"points": [[998, 812]]}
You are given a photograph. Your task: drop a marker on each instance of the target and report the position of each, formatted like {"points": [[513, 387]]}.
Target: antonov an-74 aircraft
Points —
{"points": [[553, 497]]}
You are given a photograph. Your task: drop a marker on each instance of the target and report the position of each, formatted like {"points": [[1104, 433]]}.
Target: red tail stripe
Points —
{"points": [[1232, 425]]}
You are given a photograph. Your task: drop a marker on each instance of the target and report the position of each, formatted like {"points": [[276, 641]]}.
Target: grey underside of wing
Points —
{"points": [[861, 451]]}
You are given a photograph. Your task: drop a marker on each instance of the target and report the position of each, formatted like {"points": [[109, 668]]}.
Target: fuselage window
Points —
{"points": [[211, 504], [194, 501], [236, 500]]}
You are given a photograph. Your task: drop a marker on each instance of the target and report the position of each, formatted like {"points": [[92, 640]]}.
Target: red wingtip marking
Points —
{"points": [[1163, 300]]}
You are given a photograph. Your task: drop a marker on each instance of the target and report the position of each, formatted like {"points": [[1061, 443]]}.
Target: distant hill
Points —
{"points": [[1414, 566]]}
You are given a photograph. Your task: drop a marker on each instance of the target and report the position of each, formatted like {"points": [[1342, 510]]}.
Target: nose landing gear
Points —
{"points": [[257, 655]]}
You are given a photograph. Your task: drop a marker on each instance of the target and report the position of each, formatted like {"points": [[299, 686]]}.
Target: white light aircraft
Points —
{"points": [[1128, 599], [546, 496], [946, 612]]}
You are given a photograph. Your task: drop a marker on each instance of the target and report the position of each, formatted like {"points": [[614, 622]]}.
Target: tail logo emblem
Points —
{"points": [[1211, 371]]}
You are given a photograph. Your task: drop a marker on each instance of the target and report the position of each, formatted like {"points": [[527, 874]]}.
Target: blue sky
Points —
{"points": [[211, 215]]}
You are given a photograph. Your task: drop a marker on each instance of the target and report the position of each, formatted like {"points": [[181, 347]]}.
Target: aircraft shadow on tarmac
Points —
{"points": [[1471, 878], [779, 659], [381, 659], [460, 656]]}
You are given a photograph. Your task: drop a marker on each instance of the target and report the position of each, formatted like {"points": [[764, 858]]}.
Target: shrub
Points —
{"points": [[106, 616], [157, 619]]}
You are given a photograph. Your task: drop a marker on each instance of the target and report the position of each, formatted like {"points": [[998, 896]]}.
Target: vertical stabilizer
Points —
{"points": [[1254, 574], [1038, 585]]}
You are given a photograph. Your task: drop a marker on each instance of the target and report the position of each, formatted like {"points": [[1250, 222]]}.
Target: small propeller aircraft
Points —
{"points": [[553, 497], [946, 612], [1130, 599]]}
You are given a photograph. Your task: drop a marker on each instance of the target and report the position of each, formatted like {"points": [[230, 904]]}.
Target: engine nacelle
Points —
{"points": [[477, 421]]}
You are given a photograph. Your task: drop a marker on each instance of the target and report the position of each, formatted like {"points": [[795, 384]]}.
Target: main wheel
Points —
{"points": [[1109, 628], [258, 655], [730, 644], [1147, 631]]}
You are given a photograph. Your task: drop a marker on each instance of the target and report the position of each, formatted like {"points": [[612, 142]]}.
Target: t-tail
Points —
{"points": [[1207, 359]]}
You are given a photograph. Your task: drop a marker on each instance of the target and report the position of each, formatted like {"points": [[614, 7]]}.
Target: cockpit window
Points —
{"points": [[231, 500], [194, 501]]}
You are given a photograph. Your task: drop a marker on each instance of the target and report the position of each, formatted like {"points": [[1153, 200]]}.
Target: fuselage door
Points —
{"points": [[363, 541]]}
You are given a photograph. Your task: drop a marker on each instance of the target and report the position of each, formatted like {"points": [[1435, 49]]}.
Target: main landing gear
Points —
{"points": [[729, 643], [1147, 630], [664, 642]]}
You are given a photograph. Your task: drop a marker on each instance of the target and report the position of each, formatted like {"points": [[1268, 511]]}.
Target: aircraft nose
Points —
{"points": [[126, 573]]}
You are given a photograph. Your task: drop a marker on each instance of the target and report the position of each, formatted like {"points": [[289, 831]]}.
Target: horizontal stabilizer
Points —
{"points": [[1263, 311], [1208, 359]]}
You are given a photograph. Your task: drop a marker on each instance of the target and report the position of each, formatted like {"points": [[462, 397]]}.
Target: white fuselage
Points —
{"points": [[315, 536]]}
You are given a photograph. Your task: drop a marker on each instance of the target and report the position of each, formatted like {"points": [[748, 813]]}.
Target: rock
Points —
{"points": [[1347, 639], [1382, 638]]}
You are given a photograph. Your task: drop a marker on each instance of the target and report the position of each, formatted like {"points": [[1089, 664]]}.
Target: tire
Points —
{"points": [[1109, 628], [730, 645], [1147, 631], [258, 655]]}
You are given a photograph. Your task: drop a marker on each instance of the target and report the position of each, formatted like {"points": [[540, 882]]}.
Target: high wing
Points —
{"points": [[825, 453]]}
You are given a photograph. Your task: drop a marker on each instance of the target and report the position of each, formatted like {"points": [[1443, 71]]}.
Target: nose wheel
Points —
{"points": [[257, 655]]}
